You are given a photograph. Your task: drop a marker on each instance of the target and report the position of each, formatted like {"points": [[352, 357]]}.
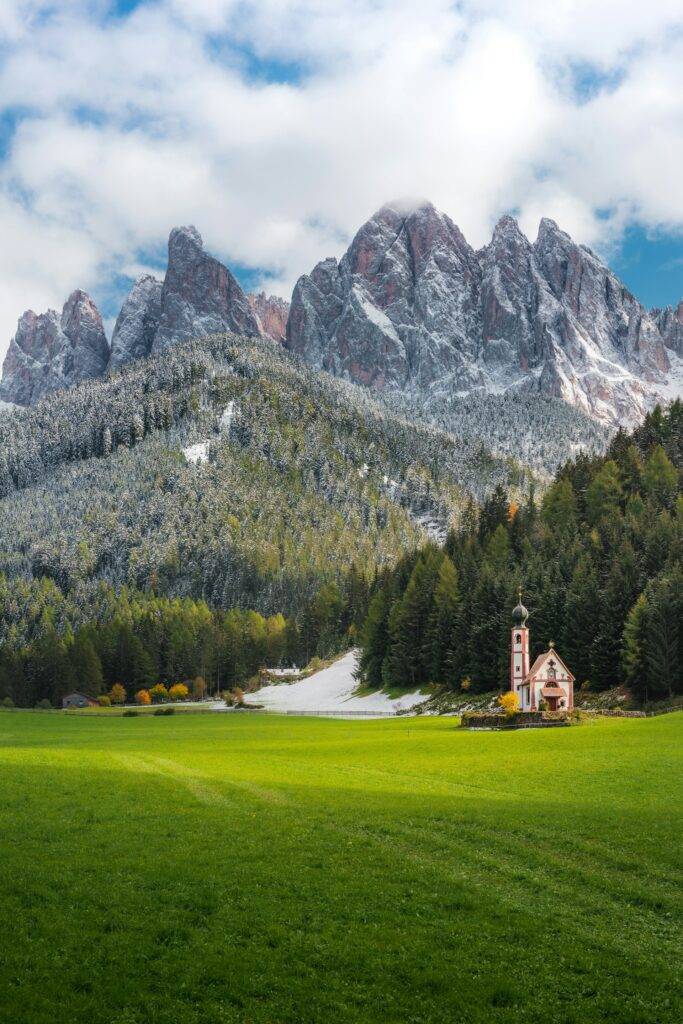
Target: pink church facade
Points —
{"points": [[548, 680]]}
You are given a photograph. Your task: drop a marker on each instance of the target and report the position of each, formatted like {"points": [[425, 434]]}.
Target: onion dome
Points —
{"points": [[519, 613]]}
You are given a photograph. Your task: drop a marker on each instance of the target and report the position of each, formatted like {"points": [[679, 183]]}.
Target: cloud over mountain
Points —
{"points": [[278, 126]]}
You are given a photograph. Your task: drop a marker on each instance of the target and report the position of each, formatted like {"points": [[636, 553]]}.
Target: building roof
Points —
{"points": [[553, 691], [540, 661]]}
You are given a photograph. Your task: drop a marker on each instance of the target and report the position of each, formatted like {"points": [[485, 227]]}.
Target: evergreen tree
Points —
{"points": [[375, 640], [445, 628]]}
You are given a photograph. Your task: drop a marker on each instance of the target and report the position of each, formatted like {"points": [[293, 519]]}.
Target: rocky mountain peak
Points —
{"points": [[181, 237], [51, 351], [412, 306], [199, 296], [137, 323]]}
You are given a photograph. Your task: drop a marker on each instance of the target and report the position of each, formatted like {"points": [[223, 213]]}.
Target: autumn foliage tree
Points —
{"points": [[143, 698], [509, 702], [117, 694], [178, 692], [159, 693]]}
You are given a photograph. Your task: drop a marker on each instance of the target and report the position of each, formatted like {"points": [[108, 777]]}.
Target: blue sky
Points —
{"points": [[278, 126], [651, 264]]}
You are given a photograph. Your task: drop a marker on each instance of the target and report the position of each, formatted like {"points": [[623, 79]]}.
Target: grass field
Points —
{"points": [[218, 869]]}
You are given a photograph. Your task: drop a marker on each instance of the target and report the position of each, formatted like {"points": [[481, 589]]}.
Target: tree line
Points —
{"points": [[136, 640], [599, 562]]}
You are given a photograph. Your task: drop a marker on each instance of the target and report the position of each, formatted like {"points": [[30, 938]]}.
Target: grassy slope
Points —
{"points": [[229, 869]]}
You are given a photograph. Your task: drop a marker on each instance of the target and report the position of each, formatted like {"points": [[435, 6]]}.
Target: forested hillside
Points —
{"points": [[599, 562], [222, 474], [535, 429]]}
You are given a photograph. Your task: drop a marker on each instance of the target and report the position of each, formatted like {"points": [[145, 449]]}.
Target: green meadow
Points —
{"points": [[214, 869]]}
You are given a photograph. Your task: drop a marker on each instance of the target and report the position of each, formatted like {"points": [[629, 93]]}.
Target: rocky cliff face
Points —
{"points": [[272, 313], [51, 351], [138, 321], [199, 295], [670, 323], [412, 306]]}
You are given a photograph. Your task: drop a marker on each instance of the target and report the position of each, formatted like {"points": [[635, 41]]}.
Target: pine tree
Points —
{"points": [[375, 640], [660, 479], [445, 628], [663, 654], [581, 621], [604, 494], [634, 649]]}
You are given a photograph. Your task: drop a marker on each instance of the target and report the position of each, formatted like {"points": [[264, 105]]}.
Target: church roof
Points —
{"points": [[540, 661]]}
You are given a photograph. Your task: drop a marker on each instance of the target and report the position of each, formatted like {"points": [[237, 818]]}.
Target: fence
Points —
{"points": [[307, 713]]}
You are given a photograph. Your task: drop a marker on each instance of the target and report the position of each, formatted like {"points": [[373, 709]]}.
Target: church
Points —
{"points": [[548, 680]]}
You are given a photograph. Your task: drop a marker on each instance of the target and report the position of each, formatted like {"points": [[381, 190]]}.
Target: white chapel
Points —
{"points": [[548, 680]]}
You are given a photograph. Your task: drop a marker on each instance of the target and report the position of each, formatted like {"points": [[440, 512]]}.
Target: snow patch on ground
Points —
{"points": [[225, 421], [674, 384], [435, 530], [331, 691], [197, 453]]}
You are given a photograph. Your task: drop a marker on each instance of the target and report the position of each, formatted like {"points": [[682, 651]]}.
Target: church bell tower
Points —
{"points": [[519, 651]]}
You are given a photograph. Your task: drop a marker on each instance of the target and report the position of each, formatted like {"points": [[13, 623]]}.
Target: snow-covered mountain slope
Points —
{"points": [[412, 307], [225, 470]]}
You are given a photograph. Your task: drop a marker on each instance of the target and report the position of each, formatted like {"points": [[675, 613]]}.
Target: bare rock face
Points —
{"points": [[272, 313], [382, 315], [199, 295], [670, 323], [137, 323], [50, 351], [411, 306]]}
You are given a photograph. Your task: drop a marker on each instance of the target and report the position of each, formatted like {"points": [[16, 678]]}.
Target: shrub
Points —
{"points": [[143, 698], [466, 684], [198, 688], [7, 702], [164, 711], [158, 693], [238, 695], [229, 699], [44, 705], [117, 694], [542, 705], [104, 701], [178, 692], [130, 713], [509, 702]]}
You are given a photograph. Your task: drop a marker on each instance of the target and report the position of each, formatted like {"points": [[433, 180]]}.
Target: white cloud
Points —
{"points": [[176, 113]]}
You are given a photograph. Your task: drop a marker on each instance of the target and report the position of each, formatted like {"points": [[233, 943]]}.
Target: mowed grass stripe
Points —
{"points": [[266, 869]]}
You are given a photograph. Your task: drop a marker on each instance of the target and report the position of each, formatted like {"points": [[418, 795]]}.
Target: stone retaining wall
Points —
{"points": [[520, 720]]}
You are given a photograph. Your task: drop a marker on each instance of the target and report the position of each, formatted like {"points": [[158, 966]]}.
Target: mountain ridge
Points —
{"points": [[411, 308]]}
